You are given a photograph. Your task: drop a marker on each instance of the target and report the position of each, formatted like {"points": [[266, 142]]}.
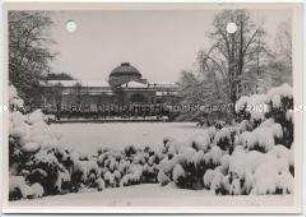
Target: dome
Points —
{"points": [[125, 69]]}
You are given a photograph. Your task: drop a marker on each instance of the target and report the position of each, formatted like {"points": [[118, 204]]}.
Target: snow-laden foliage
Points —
{"points": [[253, 156], [18, 189], [275, 178], [200, 141], [30, 142], [262, 138], [224, 138], [279, 94], [253, 108]]}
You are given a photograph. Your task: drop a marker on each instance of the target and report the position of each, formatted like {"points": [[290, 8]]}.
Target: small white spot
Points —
{"points": [[5, 108], [231, 28], [71, 26]]}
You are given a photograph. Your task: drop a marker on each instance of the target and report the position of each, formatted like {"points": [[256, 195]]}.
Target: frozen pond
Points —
{"points": [[87, 137]]}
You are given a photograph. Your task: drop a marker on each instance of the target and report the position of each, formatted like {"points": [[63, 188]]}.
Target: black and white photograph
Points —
{"points": [[149, 107]]}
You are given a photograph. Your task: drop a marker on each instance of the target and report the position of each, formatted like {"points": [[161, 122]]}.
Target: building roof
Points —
{"points": [[135, 84], [125, 69], [100, 84]]}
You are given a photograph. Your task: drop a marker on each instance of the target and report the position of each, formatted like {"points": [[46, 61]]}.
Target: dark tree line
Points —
{"points": [[59, 76]]}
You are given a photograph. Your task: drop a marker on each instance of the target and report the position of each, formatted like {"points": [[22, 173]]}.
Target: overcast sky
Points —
{"points": [[159, 43]]}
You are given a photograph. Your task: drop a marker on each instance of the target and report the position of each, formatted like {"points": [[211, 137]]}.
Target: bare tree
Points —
{"points": [[232, 66], [234, 56], [29, 55], [280, 64], [284, 40]]}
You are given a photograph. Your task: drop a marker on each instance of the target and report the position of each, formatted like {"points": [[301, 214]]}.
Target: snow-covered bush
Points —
{"points": [[253, 108], [19, 189], [224, 138], [84, 173], [37, 190], [40, 165], [188, 161], [34, 153], [215, 181], [51, 167], [162, 178], [200, 142], [263, 138], [28, 133], [100, 184], [253, 156], [275, 178]]}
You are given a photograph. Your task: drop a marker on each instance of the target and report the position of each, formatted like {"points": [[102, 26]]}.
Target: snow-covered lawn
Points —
{"points": [[86, 138], [149, 195]]}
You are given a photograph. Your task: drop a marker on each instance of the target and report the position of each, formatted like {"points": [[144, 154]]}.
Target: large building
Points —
{"points": [[125, 88]]}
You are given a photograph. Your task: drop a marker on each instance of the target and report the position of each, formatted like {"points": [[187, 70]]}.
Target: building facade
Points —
{"points": [[126, 93]]}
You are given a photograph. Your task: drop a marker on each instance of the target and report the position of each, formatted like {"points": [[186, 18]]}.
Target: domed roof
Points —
{"points": [[125, 69]]}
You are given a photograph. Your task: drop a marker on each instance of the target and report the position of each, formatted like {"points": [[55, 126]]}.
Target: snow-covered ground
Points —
{"points": [[256, 166], [148, 195], [87, 137]]}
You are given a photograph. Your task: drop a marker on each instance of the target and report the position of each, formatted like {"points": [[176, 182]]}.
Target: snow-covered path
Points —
{"points": [[140, 197]]}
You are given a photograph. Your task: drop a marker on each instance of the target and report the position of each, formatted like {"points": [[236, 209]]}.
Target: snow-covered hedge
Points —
{"points": [[40, 165], [20, 189], [129, 166], [254, 156]]}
